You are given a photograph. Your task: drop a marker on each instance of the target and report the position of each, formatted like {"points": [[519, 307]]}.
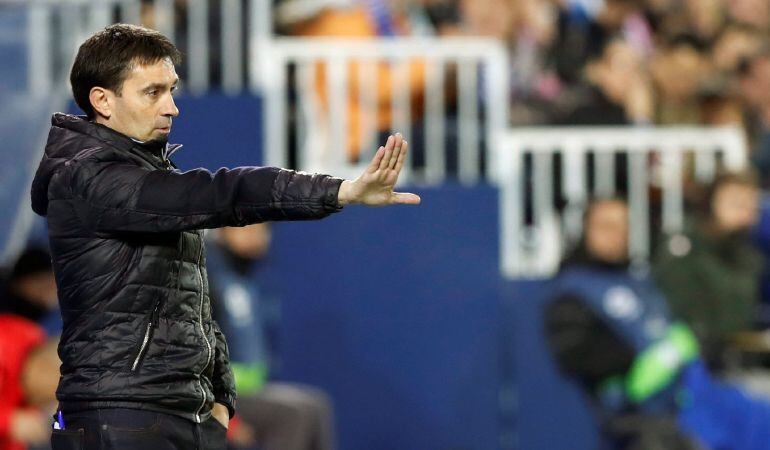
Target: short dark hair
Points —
{"points": [[106, 58]]}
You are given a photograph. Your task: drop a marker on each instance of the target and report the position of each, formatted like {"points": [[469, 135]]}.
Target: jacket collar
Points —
{"points": [[109, 136]]}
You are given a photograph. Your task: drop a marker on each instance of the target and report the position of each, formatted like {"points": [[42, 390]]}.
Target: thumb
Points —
{"points": [[405, 198]]}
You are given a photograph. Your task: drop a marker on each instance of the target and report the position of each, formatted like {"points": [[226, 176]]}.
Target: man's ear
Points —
{"points": [[101, 101]]}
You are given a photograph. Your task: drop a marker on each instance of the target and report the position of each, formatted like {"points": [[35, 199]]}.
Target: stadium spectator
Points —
{"points": [[275, 415], [678, 70], [710, 273], [28, 377], [618, 90], [30, 290], [585, 29], [602, 317]]}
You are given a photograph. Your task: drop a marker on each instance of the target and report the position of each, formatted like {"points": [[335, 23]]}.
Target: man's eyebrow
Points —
{"points": [[160, 85]]}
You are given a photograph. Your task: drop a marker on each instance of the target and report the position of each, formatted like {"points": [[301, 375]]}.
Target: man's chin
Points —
{"points": [[158, 140]]}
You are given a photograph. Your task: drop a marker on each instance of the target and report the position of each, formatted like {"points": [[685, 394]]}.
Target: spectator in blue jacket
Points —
{"points": [[273, 415]]}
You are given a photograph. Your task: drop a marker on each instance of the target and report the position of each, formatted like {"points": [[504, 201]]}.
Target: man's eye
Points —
{"points": [[152, 93]]}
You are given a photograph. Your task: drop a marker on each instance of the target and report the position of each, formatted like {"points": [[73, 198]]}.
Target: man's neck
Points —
{"points": [[156, 147]]}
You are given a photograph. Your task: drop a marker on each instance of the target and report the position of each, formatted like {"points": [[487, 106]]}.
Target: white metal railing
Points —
{"points": [[532, 231], [321, 133], [57, 27]]}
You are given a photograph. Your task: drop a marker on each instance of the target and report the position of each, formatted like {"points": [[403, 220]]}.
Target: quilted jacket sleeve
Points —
{"points": [[122, 197]]}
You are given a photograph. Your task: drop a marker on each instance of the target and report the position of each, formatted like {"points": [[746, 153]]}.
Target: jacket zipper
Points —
{"points": [[146, 339], [203, 333], [153, 315]]}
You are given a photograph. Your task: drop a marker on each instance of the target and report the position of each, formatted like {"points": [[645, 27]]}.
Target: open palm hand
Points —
{"points": [[375, 186]]}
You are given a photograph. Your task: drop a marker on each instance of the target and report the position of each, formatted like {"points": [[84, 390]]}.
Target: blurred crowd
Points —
{"points": [[573, 62], [588, 62]]}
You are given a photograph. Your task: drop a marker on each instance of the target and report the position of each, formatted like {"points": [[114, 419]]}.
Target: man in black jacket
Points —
{"points": [[143, 363]]}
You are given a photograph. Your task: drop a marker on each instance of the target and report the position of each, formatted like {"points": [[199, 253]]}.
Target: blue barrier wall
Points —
{"points": [[551, 413], [395, 311], [219, 131], [401, 315]]}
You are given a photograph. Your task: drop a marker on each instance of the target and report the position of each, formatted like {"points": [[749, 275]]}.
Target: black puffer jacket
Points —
{"points": [[129, 260]]}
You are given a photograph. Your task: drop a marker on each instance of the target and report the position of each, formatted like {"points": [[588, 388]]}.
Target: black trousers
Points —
{"points": [[133, 429]]}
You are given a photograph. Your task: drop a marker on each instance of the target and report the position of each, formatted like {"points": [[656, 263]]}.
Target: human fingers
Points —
{"points": [[389, 146], [397, 151], [401, 158], [375, 164]]}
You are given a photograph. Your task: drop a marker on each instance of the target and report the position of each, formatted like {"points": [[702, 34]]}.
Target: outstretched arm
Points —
{"points": [[375, 186], [118, 196]]}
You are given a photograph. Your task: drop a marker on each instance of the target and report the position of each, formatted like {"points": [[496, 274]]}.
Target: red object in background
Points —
{"points": [[232, 427], [17, 337]]}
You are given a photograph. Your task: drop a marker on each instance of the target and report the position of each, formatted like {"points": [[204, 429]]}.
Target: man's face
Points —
{"points": [[145, 108], [606, 233]]}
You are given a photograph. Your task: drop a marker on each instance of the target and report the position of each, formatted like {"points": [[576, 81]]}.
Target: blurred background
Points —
{"points": [[425, 327]]}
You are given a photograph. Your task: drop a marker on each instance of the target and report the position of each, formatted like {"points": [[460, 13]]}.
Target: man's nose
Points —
{"points": [[169, 108]]}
